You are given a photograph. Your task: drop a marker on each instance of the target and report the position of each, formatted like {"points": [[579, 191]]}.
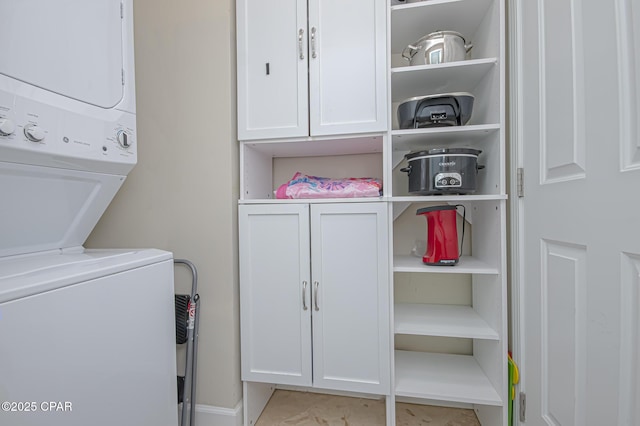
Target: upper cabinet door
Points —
{"points": [[272, 69], [347, 66]]}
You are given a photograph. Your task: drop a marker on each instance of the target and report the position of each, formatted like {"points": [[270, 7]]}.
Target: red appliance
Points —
{"points": [[442, 235]]}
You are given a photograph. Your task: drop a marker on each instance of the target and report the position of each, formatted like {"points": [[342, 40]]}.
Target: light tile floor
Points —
{"points": [[286, 408]]}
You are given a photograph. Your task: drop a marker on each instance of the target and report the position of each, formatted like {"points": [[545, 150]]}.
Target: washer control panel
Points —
{"points": [[69, 135]]}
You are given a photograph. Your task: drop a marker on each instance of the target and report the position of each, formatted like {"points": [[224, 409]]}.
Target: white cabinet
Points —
{"points": [[311, 68], [314, 295], [320, 278]]}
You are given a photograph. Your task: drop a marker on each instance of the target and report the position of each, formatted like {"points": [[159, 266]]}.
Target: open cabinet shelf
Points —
{"points": [[466, 265], [413, 139], [462, 76], [441, 320], [443, 377]]}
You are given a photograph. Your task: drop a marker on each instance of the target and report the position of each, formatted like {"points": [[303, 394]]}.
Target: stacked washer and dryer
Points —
{"points": [[87, 337]]}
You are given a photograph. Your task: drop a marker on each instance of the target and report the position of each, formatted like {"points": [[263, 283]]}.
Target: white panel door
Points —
{"points": [[579, 96], [350, 297], [272, 69], [347, 66], [275, 310]]}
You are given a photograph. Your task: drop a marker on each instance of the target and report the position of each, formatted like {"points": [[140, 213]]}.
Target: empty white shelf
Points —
{"points": [[443, 377], [414, 139], [462, 76], [441, 320], [466, 265]]}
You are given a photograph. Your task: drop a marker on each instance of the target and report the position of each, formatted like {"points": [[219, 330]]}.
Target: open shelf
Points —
{"points": [[446, 198], [412, 139], [441, 377], [462, 76], [313, 200], [441, 320], [412, 21], [316, 146], [466, 265]]}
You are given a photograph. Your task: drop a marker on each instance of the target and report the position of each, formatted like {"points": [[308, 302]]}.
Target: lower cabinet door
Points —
{"points": [[344, 303], [275, 305], [350, 293]]}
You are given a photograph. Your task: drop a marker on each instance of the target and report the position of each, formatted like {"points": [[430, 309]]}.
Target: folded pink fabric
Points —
{"points": [[303, 186]]}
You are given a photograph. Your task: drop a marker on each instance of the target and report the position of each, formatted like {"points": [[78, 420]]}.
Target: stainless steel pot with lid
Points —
{"points": [[436, 48]]}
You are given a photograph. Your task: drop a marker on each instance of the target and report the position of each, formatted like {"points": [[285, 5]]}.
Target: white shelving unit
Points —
{"points": [[478, 378], [435, 375]]}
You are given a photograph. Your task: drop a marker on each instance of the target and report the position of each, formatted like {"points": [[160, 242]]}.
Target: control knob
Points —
{"points": [[34, 133], [124, 139], [6, 127]]}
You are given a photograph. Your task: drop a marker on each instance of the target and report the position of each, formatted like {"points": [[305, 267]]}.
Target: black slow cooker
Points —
{"points": [[443, 171]]}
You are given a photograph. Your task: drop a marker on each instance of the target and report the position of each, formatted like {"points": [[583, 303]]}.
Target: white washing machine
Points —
{"points": [[87, 337]]}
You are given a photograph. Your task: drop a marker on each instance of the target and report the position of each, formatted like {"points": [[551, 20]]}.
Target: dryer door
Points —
{"points": [[70, 47]]}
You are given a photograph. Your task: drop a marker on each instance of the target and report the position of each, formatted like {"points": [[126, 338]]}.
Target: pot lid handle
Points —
{"points": [[412, 49]]}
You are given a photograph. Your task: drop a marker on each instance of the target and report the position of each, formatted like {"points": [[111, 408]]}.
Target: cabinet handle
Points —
{"points": [[300, 45], [313, 43], [304, 295], [316, 284]]}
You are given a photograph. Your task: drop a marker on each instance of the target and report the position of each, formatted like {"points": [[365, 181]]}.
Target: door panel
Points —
{"points": [[629, 43], [272, 69], [274, 264], [348, 75], [577, 69], [351, 304], [630, 345], [563, 332], [563, 150]]}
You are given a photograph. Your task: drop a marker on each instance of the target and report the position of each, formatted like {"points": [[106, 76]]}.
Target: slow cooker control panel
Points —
{"points": [[448, 180]]}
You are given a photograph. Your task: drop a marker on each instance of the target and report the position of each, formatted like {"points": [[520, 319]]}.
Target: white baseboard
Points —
{"points": [[208, 415]]}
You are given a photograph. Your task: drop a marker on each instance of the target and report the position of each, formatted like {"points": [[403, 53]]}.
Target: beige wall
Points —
{"points": [[182, 194]]}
